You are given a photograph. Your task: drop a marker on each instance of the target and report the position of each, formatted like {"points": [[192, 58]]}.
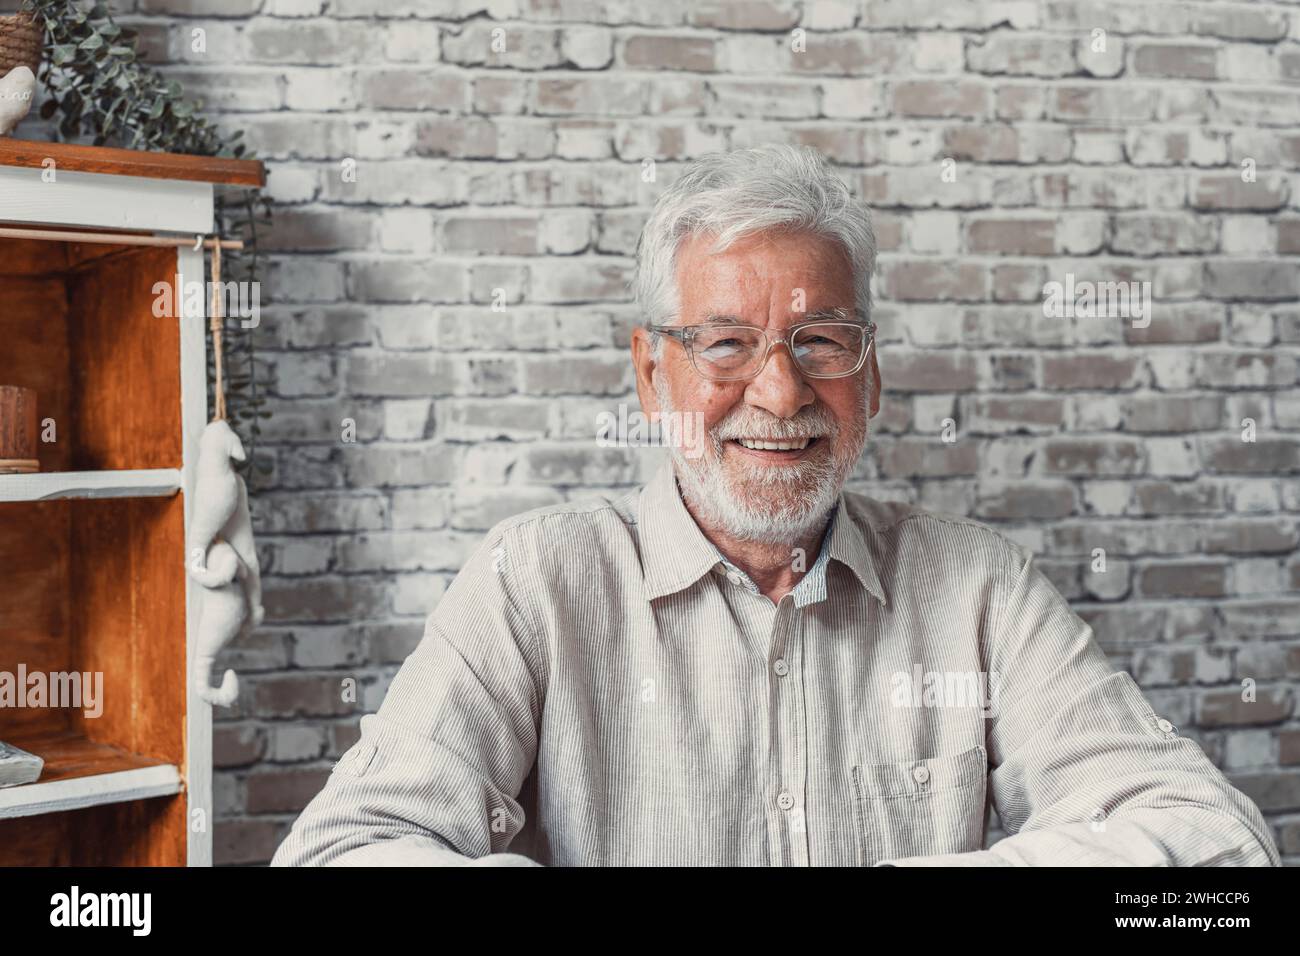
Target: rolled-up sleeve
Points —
{"points": [[435, 775], [1082, 771]]}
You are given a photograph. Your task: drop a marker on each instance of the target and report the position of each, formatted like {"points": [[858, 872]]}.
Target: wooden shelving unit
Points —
{"points": [[92, 548]]}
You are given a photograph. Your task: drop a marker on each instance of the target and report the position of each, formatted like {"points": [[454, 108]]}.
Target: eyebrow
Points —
{"points": [[839, 314]]}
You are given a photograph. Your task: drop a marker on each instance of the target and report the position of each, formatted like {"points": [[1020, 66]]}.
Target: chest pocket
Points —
{"points": [[920, 807]]}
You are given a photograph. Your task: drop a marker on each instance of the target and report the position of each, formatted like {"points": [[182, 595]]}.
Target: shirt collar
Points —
{"points": [[675, 553]]}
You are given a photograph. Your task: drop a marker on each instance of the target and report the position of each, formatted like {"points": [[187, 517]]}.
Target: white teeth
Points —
{"points": [[758, 444]]}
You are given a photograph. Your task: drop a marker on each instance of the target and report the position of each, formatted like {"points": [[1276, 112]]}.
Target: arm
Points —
{"points": [[433, 781], [1082, 773]]}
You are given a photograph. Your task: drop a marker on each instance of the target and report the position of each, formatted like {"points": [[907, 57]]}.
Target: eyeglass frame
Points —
{"points": [[683, 334]]}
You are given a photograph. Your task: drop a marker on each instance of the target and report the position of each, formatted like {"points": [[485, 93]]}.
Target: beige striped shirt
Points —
{"points": [[599, 687]]}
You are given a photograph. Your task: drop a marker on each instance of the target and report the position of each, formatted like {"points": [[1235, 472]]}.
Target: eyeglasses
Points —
{"points": [[821, 348]]}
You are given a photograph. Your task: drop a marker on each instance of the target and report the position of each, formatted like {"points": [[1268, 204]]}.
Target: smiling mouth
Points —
{"points": [[774, 448]]}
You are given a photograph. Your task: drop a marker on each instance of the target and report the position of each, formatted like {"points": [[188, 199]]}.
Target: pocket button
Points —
{"points": [[921, 775]]}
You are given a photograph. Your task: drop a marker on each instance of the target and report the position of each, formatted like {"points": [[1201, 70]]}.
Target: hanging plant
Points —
{"points": [[96, 81]]}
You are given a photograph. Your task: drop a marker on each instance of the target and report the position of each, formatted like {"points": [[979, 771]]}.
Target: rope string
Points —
{"points": [[217, 324]]}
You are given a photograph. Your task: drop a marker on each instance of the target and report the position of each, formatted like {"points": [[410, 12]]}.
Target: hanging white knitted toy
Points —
{"points": [[222, 553]]}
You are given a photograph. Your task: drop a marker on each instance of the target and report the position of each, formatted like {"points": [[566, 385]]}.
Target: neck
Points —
{"points": [[776, 567]]}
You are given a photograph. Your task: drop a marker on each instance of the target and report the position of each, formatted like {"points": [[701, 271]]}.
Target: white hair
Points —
{"points": [[742, 192]]}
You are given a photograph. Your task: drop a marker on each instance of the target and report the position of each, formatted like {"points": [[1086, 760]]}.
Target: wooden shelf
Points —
{"points": [[80, 773], [132, 162], [45, 486]]}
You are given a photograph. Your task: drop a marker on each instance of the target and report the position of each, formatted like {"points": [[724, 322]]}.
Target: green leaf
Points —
{"points": [[92, 42], [63, 52]]}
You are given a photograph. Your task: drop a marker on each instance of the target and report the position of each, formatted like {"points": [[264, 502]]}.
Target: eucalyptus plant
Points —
{"points": [[96, 80]]}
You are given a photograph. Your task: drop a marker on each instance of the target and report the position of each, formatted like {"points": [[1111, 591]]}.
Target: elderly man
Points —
{"points": [[741, 664]]}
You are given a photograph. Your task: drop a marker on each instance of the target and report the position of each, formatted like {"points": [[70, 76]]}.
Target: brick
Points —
{"points": [[774, 100], [1173, 413], [237, 745], [411, 89], [1102, 457], [1219, 191], [937, 14], [1091, 371], [938, 99], [492, 235], [926, 458], [605, 96], [1183, 579], [1102, 104], [521, 46], [1015, 237], [851, 54], [1241, 369], [1026, 500], [283, 790], [1251, 280], [759, 15], [660, 52], [1001, 414], [1175, 61], [1179, 324], [920, 280], [1178, 498], [1252, 536], [587, 47], [931, 372], [1227, 709], [982, 144], [1147, 234], [1019, 55], [1239, 24]]}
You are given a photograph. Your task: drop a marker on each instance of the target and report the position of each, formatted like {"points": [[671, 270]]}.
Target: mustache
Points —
{"points": [[746, 422]]}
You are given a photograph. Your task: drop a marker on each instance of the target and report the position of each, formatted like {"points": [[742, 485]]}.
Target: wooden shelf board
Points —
{"points": [[44, 486], [81, 773], [132, 162]]}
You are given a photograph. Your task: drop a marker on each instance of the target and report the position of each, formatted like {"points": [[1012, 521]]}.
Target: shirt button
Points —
{"points": [[1165, 726], [784, 800], [781, 668], [921, 774], [733, 577]]}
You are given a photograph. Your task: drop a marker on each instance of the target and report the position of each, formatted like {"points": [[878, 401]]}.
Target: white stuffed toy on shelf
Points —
{"points": [[222, 557], [16, 90]]}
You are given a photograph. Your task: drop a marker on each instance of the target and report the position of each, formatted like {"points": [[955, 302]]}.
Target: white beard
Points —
{"points": [[770, 504]]}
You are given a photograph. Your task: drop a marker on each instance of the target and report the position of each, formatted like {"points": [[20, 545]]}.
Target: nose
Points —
{"points": [[779, 388]]}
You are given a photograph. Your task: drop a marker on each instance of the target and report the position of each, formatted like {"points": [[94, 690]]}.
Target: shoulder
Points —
{"points": [[568, 518], [899, 530], [567, 537]]}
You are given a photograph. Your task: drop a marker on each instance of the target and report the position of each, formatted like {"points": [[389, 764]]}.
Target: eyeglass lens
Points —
{"points": [[728, 351]]}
